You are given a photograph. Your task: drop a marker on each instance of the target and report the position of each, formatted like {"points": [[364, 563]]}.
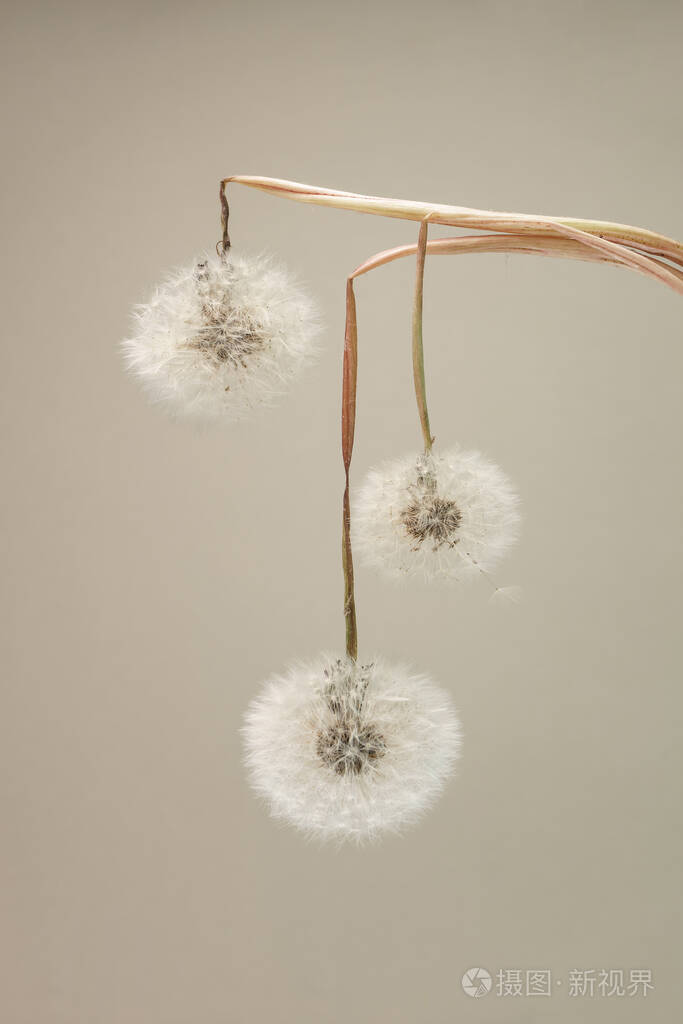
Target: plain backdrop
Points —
{"points": [[154, 574]]}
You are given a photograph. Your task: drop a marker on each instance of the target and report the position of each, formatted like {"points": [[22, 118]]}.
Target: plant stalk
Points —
{"points": [[225, 216], [531, 245], [462, 216], [418, 347], [348, 426]]}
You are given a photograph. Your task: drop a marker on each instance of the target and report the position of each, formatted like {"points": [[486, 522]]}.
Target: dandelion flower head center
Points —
{"points": [[347, 742], [349, 747], [225, 334], [429, 516]]}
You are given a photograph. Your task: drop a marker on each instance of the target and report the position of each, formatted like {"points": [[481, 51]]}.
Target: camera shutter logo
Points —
{"points": [[476, 982]]}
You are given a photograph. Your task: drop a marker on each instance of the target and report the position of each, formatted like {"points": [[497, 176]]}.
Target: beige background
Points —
{"points": [[155, 574]]}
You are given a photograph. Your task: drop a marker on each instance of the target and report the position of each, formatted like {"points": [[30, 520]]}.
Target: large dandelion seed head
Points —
{"points": [[439, 516], [222, 336], [348, 751]]}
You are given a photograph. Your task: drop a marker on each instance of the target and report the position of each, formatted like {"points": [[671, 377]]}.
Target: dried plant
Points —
{"points": [[345, 749]]}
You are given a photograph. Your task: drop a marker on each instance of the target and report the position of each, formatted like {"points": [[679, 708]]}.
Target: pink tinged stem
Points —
{"points": [[348, 425], [623, 254], [418, 347], [530, 245], [640, 239]]}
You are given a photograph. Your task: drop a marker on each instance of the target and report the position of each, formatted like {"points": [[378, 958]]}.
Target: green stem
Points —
{"points": [[418, 348]]}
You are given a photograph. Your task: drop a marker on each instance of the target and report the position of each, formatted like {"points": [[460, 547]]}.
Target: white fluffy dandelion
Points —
{"points": [[222, 336], [347, 751], [440, 516]]}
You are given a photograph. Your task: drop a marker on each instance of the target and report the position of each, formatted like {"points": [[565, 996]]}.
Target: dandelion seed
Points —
{"points": [[222, 336], [506, 595], [440, 516], [348, 751]]}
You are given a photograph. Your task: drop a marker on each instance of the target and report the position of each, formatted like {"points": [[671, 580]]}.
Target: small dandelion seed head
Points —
{"points": [[222, 336], [440, 516], [348, 751]]}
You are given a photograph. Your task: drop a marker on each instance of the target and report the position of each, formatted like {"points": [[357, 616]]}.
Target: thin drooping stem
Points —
{"points": [[225, 215], [561, 248], [627, 235], [418, 346], [348, 425]]}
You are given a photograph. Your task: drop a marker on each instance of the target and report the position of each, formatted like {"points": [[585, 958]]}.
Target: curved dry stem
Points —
{"points": [[626, 255], [529, 245], [461, 216]]}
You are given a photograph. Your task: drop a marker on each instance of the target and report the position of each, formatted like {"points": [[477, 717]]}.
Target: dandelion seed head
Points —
{"points": [[436, 515], [222, 336], [348, 751]]}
